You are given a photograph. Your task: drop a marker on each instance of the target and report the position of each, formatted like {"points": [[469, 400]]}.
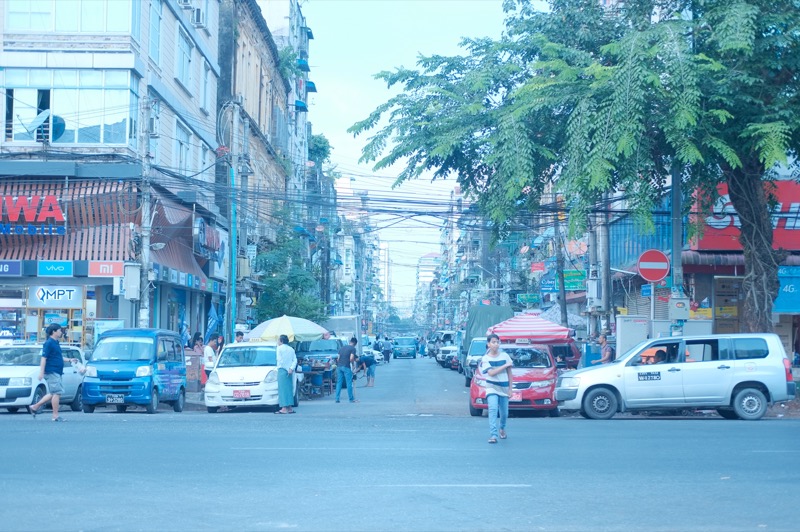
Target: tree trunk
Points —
{"points": [[760, 286]]}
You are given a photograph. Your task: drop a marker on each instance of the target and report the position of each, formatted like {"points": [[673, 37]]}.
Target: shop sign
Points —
{"points": [[788, 300], [10, 268], [537, 267], [209, 242], [574, 280], [218, 263], [31, 215], [99, 268], [173, 276], [190, 280], [528, 299], [182, 278], [60, 297], [202, 284], [54, 268]]}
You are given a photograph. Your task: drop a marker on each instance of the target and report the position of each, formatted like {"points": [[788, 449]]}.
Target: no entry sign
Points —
{"points": [[653, 265]]}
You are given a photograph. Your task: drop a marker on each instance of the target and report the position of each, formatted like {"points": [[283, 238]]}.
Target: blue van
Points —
{"points": [[136, 367]]}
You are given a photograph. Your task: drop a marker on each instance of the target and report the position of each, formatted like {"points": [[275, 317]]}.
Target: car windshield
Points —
{"points": [[529, 358], [404, 341], [477, 348], [20, 356], [320, 346], [236, 357], [123, 348]]}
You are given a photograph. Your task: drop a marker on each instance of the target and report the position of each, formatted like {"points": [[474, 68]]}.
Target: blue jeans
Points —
{"points": [[341, 375], [497, 401]]}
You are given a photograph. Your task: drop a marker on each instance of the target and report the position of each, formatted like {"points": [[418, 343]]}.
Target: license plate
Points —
{"points": [[241, 394], [516, 397], [115, 398]]}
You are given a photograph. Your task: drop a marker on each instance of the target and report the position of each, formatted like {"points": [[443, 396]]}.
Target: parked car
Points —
{"points": [[404, 346], [323, 350], [377, 355], [477, 348], [445, 355], [20, 386], [534, 383], [438, 340], [246, 375], [143, 367], [739, 375]]}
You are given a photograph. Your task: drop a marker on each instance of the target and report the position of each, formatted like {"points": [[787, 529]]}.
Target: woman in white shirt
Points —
{"points": [[287, 362]]}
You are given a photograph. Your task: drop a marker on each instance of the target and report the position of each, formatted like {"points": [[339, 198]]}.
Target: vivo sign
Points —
{"points": [[54, 268], [61, 297]]}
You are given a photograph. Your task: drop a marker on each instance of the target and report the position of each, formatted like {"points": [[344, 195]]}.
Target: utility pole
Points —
{"points": [[604, 259], [562, 289], [230, 314], [593, 277], [144, 147]]}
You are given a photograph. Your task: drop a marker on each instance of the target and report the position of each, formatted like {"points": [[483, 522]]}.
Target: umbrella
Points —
{"points": [[530, 326], [295, 328]]}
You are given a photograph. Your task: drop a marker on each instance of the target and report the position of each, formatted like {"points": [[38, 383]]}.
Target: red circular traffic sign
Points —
{"points": [[653, 265]]}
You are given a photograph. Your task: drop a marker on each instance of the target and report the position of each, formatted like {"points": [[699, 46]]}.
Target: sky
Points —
{"points": [[354, 40]]}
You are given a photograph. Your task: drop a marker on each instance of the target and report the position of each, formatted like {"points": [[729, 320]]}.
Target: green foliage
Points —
{"points": [[287, 63], [319, 149]]}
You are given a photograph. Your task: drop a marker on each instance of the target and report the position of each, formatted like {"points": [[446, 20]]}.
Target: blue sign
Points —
{"points": [[788, 300], [11, 268], [647, 290], [54, 268]]}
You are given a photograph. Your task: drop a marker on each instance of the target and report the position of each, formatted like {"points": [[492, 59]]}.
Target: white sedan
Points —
{"points": [[20, 386], [246, 375], [377, 355]]}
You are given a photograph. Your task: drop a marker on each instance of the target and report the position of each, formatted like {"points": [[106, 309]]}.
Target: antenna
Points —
{"points": [[36, 123]]}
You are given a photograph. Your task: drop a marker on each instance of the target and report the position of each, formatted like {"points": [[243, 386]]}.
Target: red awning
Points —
{"points": [[530, 326]]}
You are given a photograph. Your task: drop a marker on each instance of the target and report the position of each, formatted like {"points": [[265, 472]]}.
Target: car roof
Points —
{"points": [[139, 332], [258, 343]]}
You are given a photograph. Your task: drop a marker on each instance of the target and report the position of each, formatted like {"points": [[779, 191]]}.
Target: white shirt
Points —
{"points": [[209, 357], [497, 384], [287, 359]]}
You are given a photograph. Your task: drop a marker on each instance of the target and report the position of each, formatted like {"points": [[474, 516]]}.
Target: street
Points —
{"points": [[406, 457]]}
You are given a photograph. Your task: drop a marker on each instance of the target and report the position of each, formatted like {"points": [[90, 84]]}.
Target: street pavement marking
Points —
{"points": [[452, 486], [382, 449], [787, 451]]}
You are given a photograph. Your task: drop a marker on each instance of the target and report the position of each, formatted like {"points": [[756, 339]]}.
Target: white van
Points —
{"points": [[739, 375]]}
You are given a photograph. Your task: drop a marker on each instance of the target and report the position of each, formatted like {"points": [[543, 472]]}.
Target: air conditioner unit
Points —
{"points": [[154, 127], [198, 18], [185, 4]]}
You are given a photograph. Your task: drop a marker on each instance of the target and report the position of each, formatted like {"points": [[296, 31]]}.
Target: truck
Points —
{"points": [[346, 327], [480, 318]]}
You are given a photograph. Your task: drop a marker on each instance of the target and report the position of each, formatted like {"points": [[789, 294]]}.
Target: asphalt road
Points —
{"points": [[407, 457]]}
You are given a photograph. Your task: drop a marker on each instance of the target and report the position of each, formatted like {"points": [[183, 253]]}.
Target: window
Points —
{"points": [[182, 148], [702, 350], [29, 15], [72, 16], [183, 70], [205, 161], [155, 112], [747, 348], [155, 31], [205, 103], [136, 22]]}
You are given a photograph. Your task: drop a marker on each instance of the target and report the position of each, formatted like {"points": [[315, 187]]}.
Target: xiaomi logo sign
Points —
{"points": [[99, 268]]}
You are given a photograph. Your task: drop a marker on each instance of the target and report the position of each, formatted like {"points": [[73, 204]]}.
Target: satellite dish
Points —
{"points": [[38, 121], [59, 126]]}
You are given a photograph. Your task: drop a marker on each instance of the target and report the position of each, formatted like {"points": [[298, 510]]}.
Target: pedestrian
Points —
{"points": [[210, 356], [386, 349], [239, 337], [220, 344], [606, 351], [344, 375], [51, 368], [196, 343], [422, 345], [287, 364], [367, 363], [496, 366]]}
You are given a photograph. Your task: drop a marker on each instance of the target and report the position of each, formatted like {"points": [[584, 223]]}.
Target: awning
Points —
{"points": [[311, 86], [302, 64], [175, 255], [300, 105], [530, 326]]}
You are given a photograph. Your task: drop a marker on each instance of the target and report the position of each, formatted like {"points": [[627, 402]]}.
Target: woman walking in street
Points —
{"points": [[287, 363], [496, 367]]}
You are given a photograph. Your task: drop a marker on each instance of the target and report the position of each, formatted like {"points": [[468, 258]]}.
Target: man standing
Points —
{"points": [[606, 351], [344, 375], [210, 355], [51, 369], [386, 349], [287, 363]]}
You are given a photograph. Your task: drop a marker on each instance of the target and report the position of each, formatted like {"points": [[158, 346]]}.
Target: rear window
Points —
{"points": [[248, 357], [746, 348], [404, 341], [529, 358], [320, 346], [21, 356], [123, 348]]}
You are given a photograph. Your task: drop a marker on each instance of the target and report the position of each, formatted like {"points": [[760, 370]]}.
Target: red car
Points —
{"points": [[534, 385]]}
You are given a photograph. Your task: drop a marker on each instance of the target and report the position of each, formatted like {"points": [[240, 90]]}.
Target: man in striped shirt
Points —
{"points": [[496, 367]]}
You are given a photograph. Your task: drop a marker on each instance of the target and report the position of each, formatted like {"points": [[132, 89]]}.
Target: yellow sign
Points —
{"points": [[700, 314], [727, 312]]}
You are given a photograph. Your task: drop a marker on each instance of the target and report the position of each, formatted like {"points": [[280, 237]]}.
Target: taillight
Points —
{"points": [[788, 366]]}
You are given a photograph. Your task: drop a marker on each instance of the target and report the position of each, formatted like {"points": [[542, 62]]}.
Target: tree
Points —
{"points": [[611, 100]]}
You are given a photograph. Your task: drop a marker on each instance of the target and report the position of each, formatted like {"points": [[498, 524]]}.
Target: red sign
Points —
{"points": [[721, 231], [99, 268], [653, 265], [537, 267], [31, 209]]}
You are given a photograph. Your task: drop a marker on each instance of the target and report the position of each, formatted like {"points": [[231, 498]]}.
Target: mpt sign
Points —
{"points": [[58, 297]]}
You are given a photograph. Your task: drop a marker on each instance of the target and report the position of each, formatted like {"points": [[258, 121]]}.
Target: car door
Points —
{"points": [[161, 376], [654, 385], [71, 378], [707, 372]]}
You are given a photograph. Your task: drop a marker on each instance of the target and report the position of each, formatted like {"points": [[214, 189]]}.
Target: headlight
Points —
{"points": [[144, 371], [20, 381], [542, 384], [213, 378], [569, 382], [272, 376], [91, 371]]}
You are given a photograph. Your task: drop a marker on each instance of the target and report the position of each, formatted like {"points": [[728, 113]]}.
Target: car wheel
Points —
{"points": [[77, 404], [467, 381], [600, 403], [554, 413], [179, 403], [477, 412], [212, 409], [750, 404], [153, 406], [122, 408], [414, 357], [88, 409], [13, 409], [727, 413]]}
